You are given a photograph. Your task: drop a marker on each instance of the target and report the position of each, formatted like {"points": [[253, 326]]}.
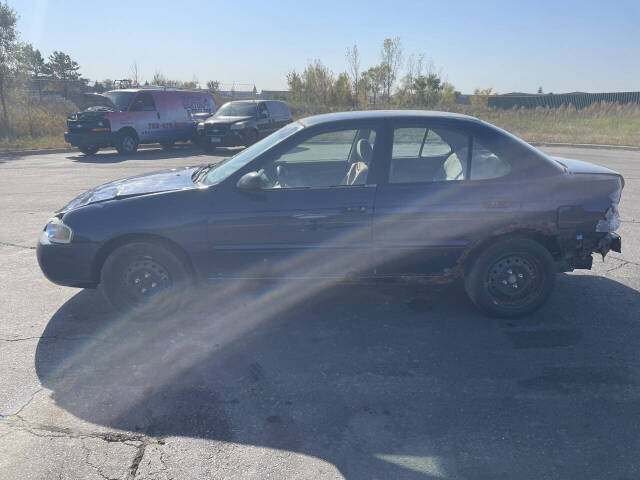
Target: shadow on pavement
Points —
{"points": [[180, 150], [383, 381]]}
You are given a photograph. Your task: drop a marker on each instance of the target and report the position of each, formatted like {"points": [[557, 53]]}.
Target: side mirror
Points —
{"points": [[251, 181], [262, 115]]}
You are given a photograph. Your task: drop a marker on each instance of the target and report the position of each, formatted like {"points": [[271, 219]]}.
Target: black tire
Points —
{"points": [[252, 137], [167, 144], [126, 142], [511, 278], [89, 149], [145, 278]]}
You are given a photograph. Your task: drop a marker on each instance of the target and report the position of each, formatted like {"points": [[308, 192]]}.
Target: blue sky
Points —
{"points": [[510, 46]]}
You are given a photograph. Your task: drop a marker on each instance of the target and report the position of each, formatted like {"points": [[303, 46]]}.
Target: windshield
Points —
{"points": [[237, 109], [120, 99], [228, 167]]}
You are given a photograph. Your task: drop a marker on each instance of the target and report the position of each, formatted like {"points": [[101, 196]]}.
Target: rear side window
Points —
{"points": [[143, 102], [423, 155], [486, 164]]}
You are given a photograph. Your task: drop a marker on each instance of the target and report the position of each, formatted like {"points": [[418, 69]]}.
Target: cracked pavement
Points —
{"points": [[374, 382]]}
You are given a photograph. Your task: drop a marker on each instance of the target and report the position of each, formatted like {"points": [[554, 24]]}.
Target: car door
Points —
{"points": [[438, 198], [307, 220], [264, 120], [145, 118]]}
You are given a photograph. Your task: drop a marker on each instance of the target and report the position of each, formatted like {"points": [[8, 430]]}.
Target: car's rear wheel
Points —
{"points": [[89, 149], [511, 278], [126, 142], [146, 278]]}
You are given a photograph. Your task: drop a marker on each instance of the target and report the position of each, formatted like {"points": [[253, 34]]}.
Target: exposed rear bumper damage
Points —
{"points": [[579, 249]]}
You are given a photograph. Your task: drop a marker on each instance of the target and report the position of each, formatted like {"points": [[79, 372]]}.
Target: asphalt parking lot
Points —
{"points": [[359, 382]]}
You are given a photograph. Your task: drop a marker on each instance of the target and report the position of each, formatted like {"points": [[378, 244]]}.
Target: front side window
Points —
{"points": [[143, 103], [120, 100], [337, 158], [228, 167], [423, 155]]}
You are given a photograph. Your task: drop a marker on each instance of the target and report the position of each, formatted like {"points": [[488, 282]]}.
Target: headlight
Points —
{"points": [[239, 126], [57, 231]]}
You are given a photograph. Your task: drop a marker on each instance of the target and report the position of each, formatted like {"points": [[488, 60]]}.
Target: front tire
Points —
{"points": [[511, 278], [252, 137], [89, 149], [146, 278], [126, 143]]}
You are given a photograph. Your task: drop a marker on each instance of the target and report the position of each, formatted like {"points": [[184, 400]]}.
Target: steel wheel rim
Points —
{"points": [[144, 278], [514, 280], [128, 143]]}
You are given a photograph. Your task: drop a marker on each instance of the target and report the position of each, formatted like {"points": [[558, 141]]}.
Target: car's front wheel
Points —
{"points": [[511, 278], [145, 277], [126, 142]]}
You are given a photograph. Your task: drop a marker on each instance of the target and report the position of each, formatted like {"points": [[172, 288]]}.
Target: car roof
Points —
{"points": [[383, 114], [160, 89]]}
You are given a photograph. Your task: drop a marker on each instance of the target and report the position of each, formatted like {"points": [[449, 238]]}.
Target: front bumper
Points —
{"points": [[68, 264], [98, 139], [232, 138]]}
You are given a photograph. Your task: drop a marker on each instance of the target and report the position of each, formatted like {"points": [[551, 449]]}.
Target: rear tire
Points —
{"points": [[126, 143], [511, 278], [145, 278], [89, 149]]}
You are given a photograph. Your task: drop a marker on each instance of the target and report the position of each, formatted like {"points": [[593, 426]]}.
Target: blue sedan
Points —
{"points": [[418, 195]]}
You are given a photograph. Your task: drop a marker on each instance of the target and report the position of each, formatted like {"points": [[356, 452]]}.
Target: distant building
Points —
{"points": [[554, 100]]}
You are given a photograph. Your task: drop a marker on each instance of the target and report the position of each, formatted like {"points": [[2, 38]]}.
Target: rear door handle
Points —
{"points": [[497, 204], [310, 216], [355, 209]]}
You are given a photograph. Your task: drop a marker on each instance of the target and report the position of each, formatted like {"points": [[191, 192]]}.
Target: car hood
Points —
{"points": [[154, 182], [227, 119]]}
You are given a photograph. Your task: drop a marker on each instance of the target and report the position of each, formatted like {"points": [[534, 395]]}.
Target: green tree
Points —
{"points": [[448, 94], [64, 69], [213, 86], [481, 97], [9, 56], [372, 83], [342, 95], [36, 67]]}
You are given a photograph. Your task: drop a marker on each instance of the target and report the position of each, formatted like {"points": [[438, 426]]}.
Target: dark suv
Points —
{"points": [[243, 123]]}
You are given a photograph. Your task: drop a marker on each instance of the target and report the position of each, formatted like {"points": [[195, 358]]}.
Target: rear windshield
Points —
{"points": [[120, 99], [237, 109]]}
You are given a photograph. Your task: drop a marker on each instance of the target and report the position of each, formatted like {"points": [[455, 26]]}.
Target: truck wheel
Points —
{"points": [[511, 278], [89, 149], [126, 142], [252, 137], [146, 278], [167, 144]]}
